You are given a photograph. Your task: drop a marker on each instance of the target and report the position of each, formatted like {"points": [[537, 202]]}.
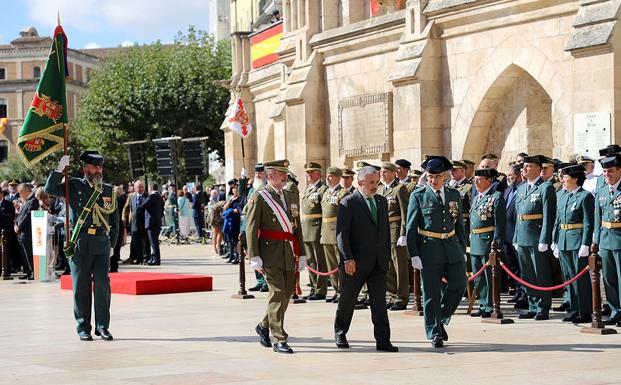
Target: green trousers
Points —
{"points": [[317, 260], [535, 269], [281, 285], [611, 273], [332, 262], [441, 300], [397, 277], [580, 294], [89, 273], [483, 283]]}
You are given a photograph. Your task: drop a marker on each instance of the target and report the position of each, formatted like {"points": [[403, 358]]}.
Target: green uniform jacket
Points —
{"points": [[274, 253], [329, 209], [607, 209], [541, 199], [488, 210], [311, 205], [426, 212], [465, 189], [410, 185], [397, 196], [105, 213], [576, 207]]}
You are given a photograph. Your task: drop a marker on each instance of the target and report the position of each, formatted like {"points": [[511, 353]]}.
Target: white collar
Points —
{"points": [[486, 191], [531, 184], [615, 186]]}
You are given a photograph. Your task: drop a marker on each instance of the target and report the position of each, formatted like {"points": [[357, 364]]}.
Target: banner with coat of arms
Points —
{"points": [[43, 129], [239, 120]]}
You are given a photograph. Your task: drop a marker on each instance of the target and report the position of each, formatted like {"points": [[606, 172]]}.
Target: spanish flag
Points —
{"points": [[3, 124], [264, 44]]}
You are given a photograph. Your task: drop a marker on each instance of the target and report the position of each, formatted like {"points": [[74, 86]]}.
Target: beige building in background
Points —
{"points": [[453, 77]]}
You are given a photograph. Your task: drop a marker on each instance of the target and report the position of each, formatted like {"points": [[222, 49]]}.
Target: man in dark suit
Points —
{"points": [[7, 220], [198, 212], [515, 180], [153, 209], [363, 238], [23, 228], [138, 246]]}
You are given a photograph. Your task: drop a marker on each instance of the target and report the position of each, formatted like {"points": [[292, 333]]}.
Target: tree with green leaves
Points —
{"points": [[154, 91]]}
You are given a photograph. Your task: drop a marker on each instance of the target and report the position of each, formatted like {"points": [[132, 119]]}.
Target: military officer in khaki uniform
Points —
{"points": [[403, 174], [311, 229], [347, 180], [274, 235], [329, 207], [397, 278], [469, 170], [292, 184]]}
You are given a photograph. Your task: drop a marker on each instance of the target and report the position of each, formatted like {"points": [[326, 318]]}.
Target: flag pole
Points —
{"points": [[66, 172]]}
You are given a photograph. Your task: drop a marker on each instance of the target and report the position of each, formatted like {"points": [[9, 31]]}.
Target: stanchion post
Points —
{"points": [[6, 268], [597, 326], [495, 257], [242, 293], [417, 308]]}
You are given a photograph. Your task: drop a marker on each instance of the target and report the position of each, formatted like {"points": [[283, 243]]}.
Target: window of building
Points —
{"points": [[36, 72], [4, 109], [2, 73], [4, 150]]}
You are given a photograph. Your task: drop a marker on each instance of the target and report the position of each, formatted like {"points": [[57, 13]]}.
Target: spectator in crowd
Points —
{"points": [[185, 214], [187, 193], [153, 209], [138, 246], [7, 217], [22, 226], [222, 194], [198, 212], [216, 220], [232, 218], [121, 200], [170, 207]]}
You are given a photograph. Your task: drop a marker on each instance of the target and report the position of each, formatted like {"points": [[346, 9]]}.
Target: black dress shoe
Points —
{"points": [[154, 263], [85, 336], [582, 319], [487, 314], [541, 317], [264, 336], [437, 342], [114, 270], [264, 289], [282, 347], [104, 334], [477, 314], [341, 341], [361, 301], [521, 305], [529, 315], [606, 310], [570, 317], [255, 288], [335, 300], [332, 299], [563, 307], [28, 277], [612, 321], [398, 306], [316, 297], [389, 305], [444, 333], [386, 347]]}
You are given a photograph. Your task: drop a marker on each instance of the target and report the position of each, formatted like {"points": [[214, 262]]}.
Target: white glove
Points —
{"points": [[465, 257], [301, 262], [402, 241], [63, 163], [543, 247], [417, 263], [244, 173], [515, 246], [256, 263], [556, 253], [553, 246], [584, 251]]}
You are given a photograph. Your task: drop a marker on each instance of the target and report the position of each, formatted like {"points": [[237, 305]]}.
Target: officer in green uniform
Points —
{"points": [[548, 168], [437, 243], [397, 277], [607, 233], [329, 208], [535, 209], [488, 221], [347, 180], [274, 235], [460, 182], [94, 220], [572, 234], [311, 230]]}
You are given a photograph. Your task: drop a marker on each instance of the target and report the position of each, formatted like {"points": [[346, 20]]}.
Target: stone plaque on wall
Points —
{"points": [[365, 124], [591, 132]]}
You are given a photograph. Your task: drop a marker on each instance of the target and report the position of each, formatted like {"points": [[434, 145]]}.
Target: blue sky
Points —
{"points": [[104, 23]]}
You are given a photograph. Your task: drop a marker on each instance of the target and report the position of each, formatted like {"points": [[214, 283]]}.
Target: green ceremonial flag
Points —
{"points": [[43, 129]]}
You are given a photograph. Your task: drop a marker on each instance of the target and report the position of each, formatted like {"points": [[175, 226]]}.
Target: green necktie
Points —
{"points": [[373, 208]]}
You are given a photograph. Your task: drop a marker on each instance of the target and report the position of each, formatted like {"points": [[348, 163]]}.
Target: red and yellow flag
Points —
{"points": [[264, 44]]}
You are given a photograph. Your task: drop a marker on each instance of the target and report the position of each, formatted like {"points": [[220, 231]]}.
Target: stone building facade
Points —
{"points": [[453, 77]]}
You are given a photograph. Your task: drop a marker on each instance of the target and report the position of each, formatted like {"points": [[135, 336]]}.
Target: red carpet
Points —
{"points": [[139, 283]]}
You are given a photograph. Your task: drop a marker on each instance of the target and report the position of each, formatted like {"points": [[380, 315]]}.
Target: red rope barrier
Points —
{"points": [[320, 273], [478, 273], [541, 288]]}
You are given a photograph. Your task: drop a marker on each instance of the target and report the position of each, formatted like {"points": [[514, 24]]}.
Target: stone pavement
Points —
{"points": [[208, 338]]}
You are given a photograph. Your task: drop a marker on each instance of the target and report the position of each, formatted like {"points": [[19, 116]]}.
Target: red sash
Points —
{"points": [[281, 236]]}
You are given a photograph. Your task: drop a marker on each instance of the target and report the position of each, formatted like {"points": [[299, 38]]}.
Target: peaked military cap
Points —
{"points": [[312, 166], [347, 172], [416, 172], [334, 171], [467, 162], [584, 159], [389, 166], [611, 161], [537, 159], [403, 163], [437, 164], [13, 182], [259, 167], [92, 157], [547, 162], [574, 169], [360, 164], [488, 172], [280, 165], [489, 156], [458, 164], [563, 165], [610, 150]]}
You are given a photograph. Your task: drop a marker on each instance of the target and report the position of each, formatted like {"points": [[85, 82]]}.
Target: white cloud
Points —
{"points": [[127, 43], [92, 44]]}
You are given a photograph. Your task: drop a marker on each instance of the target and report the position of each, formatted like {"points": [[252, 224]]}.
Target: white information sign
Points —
{"points": [[591, 132]]}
